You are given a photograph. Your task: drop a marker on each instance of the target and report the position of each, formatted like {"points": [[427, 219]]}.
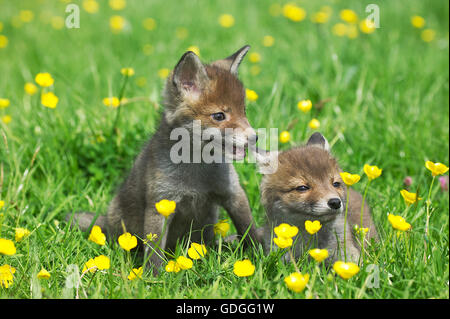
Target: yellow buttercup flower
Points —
{"points": [[428, 35], [163, 73], [320, 17], [268, 41], [127, 241], [254, 57], [43, 274], [283, 242], [345, 270], [197, 251], [436, 168], [251, 95], [166, 207], [398, 222], [372, 172], [49, 100], [243, 268], [312, 227], [352, 31], [117, 4], [3, 41], [318, 254], [26, 15], [4, 103], [184, 262], [90, 6], [359, 230], [100, 262], [293, 12], [149, 24], [6, 276], [314, 124], [340, 29], [44, 79], [172, 266], [21, 233], [410, 198], [285, 230], [194, 49], [57, 22], [116, 23], [151, 237], [226, 20], [417, 22], [349, 16], [222, 227], [30, 88], [135, 273], [296, 281], [6, 119], [97, 236], [111, 101], [367, 26], [285, 137], [127, 71], [7, 247], [304, 105], [2, 204], [350, 179]]}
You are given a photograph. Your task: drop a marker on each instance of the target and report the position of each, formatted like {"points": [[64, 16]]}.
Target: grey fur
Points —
{"points": [[197, 188]]}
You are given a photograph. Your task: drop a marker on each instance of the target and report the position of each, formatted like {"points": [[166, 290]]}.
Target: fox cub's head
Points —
{"points": [[212, 94], [307, 183]]}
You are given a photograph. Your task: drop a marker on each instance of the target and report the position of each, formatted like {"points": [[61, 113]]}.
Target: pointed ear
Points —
{"points": [[189, 75], [318, 140], [232, 62]]}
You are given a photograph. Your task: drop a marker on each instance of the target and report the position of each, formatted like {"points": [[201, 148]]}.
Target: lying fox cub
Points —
{"points": [[213, 95], [307, 186]]}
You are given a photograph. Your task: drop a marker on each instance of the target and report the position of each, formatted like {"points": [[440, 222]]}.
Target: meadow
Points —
{"points": [[379, 95]]}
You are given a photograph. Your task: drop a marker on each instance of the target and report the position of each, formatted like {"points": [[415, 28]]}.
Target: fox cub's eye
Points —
{"points": [[302, 188], [337, 184], [218, 116]]}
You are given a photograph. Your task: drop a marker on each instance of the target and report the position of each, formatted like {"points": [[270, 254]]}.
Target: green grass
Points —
{"points": [[387, 105]]}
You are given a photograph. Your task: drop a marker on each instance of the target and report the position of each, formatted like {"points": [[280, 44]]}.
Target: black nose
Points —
{"points": [[334, 203]]}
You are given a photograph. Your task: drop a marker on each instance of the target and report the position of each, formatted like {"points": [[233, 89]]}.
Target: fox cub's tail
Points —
{"points": [[84, 220]]}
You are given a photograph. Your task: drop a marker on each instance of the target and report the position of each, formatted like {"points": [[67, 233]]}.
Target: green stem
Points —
{"points": [[361, 231], [428, 204], [122, 91], [345, 225], [313, 279], [293, 260], [219, 251], [156, 246]]}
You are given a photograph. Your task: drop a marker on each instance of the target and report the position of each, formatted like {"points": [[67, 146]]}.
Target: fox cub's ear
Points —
{"points": [[318, 140], [232, 62], [189, 75]]}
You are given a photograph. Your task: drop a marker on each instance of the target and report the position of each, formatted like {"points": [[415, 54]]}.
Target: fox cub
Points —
{"points": [[307, 186], [209, 93]]}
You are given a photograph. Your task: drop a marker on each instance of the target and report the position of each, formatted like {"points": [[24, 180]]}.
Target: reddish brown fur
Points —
{"points": [[308, 165], [315, 167], [223, 93]]}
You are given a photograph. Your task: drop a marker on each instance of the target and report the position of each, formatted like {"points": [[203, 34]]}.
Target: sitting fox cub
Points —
{"points": [[212, 94], [307, 186]]}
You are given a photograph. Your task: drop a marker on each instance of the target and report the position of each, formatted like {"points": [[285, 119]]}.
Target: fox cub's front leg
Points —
{"points": [[237, 206]]}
